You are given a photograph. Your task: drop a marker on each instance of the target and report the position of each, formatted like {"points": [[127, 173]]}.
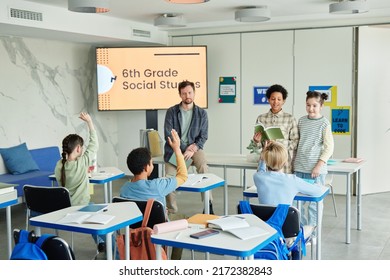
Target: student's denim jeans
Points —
{"points": [[309, 209]]}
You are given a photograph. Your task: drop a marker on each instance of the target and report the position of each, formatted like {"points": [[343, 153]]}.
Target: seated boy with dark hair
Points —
{"points": [[140, 163]]}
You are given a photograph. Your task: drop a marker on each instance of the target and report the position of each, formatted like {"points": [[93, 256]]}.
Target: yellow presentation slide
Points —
{"points": [[147, 78]]}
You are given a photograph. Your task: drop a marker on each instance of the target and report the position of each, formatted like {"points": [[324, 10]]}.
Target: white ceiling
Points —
{"points": [[221, 12], [217, 15]]}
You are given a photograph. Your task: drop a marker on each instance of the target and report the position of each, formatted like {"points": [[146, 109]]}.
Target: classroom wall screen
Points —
{"points": [[146, 78]]}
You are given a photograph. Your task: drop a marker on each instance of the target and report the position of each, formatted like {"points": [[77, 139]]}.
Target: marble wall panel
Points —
{"points": [[44, 86]]}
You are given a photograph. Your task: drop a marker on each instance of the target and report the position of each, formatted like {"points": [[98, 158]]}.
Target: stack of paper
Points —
{"points": [[6, 188], [9, 196], [353, 160]]}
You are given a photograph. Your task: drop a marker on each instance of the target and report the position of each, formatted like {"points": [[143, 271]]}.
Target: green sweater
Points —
{"points": [[76, 172]]}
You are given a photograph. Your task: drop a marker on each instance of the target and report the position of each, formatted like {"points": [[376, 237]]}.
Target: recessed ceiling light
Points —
{"points": [[349, 7], [89, 6], [253, 14], [170, 20]]}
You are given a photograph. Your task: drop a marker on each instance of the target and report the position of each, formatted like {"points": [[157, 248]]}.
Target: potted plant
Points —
{"points": [[255, 151]]}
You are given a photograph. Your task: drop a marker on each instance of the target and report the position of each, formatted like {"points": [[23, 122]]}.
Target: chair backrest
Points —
{"points": [[291, 226], [46, 199], [157, 214]]}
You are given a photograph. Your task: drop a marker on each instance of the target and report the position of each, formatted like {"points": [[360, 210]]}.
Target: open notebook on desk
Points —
{"points": [[194, 179], [85, 218], [237, 226]]}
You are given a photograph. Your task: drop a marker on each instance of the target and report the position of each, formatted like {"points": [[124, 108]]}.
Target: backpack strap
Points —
{"points": [[24, 236], [278, 217], [43, 238], [245, 207], [148, 209]]}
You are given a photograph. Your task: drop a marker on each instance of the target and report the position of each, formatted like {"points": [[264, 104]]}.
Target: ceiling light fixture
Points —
{"points": [[187, 1], [253, 14], [170, 20], [349, 7], [89, 6]]}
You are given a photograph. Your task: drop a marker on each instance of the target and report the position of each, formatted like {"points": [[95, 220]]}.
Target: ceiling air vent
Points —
{"points": [[141, 33], [23, 14]]}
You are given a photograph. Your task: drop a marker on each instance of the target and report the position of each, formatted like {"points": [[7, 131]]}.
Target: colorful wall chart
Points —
{"points": [[341, 120], [227, 90]]}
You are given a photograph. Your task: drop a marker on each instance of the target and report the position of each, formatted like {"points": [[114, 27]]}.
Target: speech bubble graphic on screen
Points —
{"points": [[106, 79]]}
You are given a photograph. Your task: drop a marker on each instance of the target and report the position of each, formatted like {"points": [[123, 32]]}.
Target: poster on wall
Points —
{"points": [[227, 90], [259, 97], [341, 120], [331, 91]]}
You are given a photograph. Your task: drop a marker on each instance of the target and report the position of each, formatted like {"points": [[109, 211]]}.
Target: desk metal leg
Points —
{"points": [[225, 191], [38, 231], [206, 199], [348, 212], [9, 230], [319, 229], [109, 246], [105, 192], [158, 252], [109, 192], [244, 179], [359, 202]]}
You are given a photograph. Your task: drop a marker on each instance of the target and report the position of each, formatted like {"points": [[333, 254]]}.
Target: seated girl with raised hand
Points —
{"points": [[275, 187]]}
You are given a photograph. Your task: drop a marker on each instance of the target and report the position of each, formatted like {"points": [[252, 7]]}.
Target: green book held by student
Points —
{"points": [[269, 133]]}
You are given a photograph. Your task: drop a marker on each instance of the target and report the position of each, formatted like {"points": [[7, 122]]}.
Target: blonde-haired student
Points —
{"points": [[315, 147], [273, 185]]}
